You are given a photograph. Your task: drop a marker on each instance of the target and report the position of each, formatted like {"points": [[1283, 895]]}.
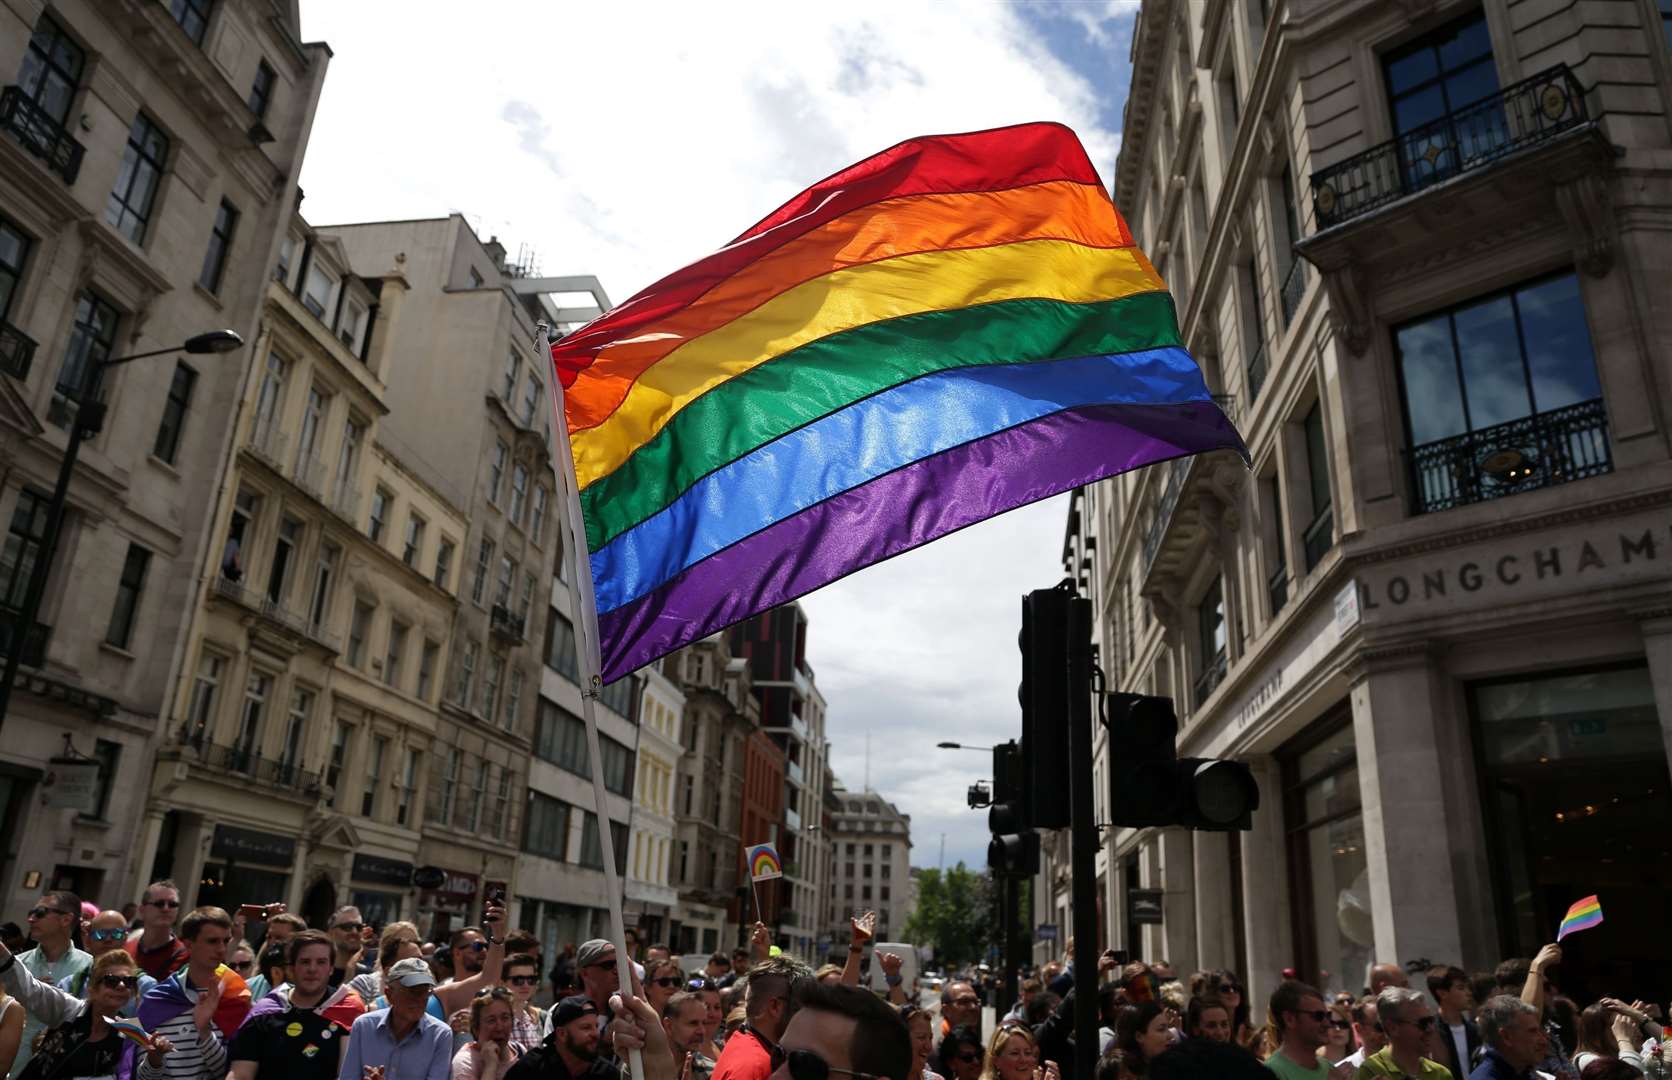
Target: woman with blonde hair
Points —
{"points": [[370, 985], [1013, 1054]]}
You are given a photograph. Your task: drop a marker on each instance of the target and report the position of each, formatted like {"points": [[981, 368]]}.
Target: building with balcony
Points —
{"points": [[293, 762], [870, 844], [720, 716], [471, 408], [1415, 244], [652, 898], [792, 717], [148, 164]]}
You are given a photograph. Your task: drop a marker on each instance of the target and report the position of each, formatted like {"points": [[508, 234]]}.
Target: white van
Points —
{"points": [[908, 968]]}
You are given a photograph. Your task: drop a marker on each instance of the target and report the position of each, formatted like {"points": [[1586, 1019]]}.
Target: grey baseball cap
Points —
{"points": [[413, 971]]}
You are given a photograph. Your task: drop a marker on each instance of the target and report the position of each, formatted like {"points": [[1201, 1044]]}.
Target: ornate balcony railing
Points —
{"points": [[1535, 451], [1517, 117], [1177, 469], [242, 761], [507, 624], [1294, 287], [17, 351], [40, 134], [275, 612], [1213, 673], [310, 475], [269, 443]]}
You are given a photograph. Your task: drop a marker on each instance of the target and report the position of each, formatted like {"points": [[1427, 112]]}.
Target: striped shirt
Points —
{"points": [[194, 1057]]}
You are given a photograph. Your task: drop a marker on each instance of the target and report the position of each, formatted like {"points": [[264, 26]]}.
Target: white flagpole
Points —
{"points": [[584, 608]]}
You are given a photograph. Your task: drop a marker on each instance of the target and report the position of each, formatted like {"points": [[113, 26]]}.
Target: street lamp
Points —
{"points": [[88, 420], [961, 746]]}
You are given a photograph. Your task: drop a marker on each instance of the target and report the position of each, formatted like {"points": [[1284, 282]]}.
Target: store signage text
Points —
{"points": [[248, 845], [383, 871]]}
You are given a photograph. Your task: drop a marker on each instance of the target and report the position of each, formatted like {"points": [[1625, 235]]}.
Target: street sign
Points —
{"points": [[1045, 932], [1143, 906]]}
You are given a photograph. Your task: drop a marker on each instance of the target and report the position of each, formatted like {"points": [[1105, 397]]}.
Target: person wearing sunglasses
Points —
{"points": [[662, 980], [1338, 1039], [106, 932], [1300, 1023], [55, 928], [491, 1052], [528, 1021], [156, 948], [76, 1040], [754, 1052], [478, 962], [961, 1054], [1409, 1024]]}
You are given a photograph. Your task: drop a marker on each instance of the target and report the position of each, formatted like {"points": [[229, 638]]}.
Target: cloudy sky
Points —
{"points": [[625, 140]]}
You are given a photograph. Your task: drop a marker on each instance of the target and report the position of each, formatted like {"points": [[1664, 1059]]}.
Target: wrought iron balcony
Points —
{"points": [[1177, 469], [1535, 451], [17, 351], [1475, 136], [275, 612], [37, 132], [506, 624], [243, 761], [34, 642], [1213, 673], [1294, 287]]}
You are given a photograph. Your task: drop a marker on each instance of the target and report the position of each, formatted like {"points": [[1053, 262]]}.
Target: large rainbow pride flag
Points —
{"points": [[950, 329]]}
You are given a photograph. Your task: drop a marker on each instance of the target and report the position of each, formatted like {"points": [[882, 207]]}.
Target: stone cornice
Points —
{"points": [[1149, 46]]}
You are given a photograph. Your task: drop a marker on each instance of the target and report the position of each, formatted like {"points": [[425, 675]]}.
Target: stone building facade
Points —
{"points": [[1415, 246], [148, 164], [871, 865]]}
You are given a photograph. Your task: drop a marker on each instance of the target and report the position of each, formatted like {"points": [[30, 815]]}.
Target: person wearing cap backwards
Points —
{"points": [[402, 1042], [570, 1052]]}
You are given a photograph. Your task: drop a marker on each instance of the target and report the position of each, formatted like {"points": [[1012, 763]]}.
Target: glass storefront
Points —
{"points": [[1574, 778], [1328, 878]]}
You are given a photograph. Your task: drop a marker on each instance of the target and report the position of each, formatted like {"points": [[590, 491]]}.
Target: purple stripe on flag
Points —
{"points": [[902, 510]]}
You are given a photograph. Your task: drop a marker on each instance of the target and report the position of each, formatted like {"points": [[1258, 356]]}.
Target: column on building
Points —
{"points": [[1265, 885]]}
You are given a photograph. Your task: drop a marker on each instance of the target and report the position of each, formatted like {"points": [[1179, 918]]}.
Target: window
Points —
{"points": [[531, 395], [478, 791], [1666, 20], [348, 457], [561, 656], [397, 650], [131, 200], [14, 250], [1501, 395], [865, 892], [1210, 641], [618, 765], [513, 699], [537, 513], [1428, 82], [1277, 582], [220, 242], [325, 573], [128, 588], [886, 868], [618, 696], [526, 599], [502, 803], [1294, 276], [379, 515], [496, 471], [319, 289], [358, 630], [295, 733], [426, 668], [453, 761], [193, 17], [351, 325], [560, 738], [374, 775], [466, 674], [287, 252], [284, 550], [484, 559], [200, 711], [414, 540], [519, 493], [51, 70], [409, 787], [491, 678], [307, 447], [1255, 343], [502, 589], [1319, 537], [248, 743], [109, 756], [23, 547], [513, 366], [546, 830], [91, 337], [443, 562], [334, 765], [475, 279], [592, 850], [1326, 844], [167, 443], [261, 90]]}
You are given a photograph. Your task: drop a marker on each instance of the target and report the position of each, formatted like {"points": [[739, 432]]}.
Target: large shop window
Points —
{"points": [[1575, 782], [1328, 882], [1502, 396]]}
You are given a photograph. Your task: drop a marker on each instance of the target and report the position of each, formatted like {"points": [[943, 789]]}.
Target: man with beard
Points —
{"points": [[300, 1029], [570, 1052], [686, 1018]]}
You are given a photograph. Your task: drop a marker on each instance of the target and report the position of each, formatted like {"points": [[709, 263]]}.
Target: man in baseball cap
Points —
{"points": [[570, 1052], [595, 965], [403, 1040]]}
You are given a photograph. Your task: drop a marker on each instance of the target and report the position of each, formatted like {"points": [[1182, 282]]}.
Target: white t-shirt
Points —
{"points": [[1460, 1039]]}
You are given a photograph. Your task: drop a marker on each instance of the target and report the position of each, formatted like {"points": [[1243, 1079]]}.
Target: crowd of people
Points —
{"points": [[157, 993]]}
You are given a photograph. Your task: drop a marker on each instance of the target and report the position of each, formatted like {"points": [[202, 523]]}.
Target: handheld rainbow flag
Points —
{"points": [[131, 1030], [1583, 915], [763, 863], [953, 328]]}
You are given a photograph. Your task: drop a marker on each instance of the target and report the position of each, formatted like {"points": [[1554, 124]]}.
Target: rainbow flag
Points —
{"points": [[130, 1030], [1583, 915], [763, 863], [948, 330]]}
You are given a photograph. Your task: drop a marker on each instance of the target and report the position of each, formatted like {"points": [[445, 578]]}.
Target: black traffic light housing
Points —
{"points": [[1046, 698], [1015, 846], [1151, 785], [1016, 855]]}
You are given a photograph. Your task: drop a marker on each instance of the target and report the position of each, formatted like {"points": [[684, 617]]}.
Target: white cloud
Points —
{"points": [[625, 140]]}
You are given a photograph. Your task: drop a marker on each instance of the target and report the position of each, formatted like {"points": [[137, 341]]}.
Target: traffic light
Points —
{"points": [[1015, 855], [1015, 846], [1151, 785], [1044, 696]]}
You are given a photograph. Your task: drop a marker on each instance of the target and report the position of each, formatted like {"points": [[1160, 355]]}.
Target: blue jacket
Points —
{"points": [[1493, 1067]]}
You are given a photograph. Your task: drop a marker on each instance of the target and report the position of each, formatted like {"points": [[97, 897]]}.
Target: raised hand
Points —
{"points": [[891, 963], [864, 927], [494, 915], [207, 1002], [156, 1049], [1550, 954], [760, 943], [460, 1022]]}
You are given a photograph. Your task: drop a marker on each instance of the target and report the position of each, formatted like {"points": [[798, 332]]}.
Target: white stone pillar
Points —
{"points": [[150, 836], [1212, 873], [298, 875], [1265, 889], [1396, 699], [1177, 880]]}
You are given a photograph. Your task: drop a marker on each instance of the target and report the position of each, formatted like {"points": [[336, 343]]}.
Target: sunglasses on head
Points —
{"points": [[806, 1065], [43, 912], [524, 980], [697, 984], [116, 934], [126, 982], [164, 903]]}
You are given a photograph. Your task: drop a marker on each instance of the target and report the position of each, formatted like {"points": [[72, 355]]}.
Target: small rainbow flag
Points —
{"points": [[763, 863], [1583, 915], [131, 1030]]}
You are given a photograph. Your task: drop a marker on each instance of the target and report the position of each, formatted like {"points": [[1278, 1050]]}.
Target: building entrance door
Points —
{"points": [[1577, 793]]}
